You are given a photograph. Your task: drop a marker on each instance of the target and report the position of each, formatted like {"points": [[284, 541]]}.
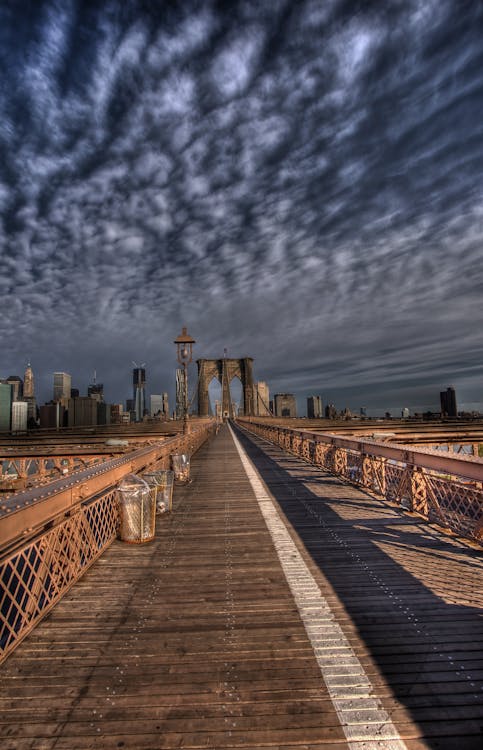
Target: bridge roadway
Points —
{"points": [[311, 616]]}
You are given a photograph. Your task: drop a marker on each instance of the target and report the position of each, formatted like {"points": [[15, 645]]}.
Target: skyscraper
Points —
{"points": [[28, 382], [29, 393], [5, 406], [52, 416], [62, 386], [156, 405], [314, 407], [165, 406], [103, 411], [17, 387], [19, 416], [82, 411], [139, 398], [448, 402]]}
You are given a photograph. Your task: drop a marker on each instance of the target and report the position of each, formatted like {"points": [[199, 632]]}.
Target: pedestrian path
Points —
{"points": [[277, 608]]}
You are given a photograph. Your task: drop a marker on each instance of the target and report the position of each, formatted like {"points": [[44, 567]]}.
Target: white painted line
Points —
{"points": [[365, 722]]}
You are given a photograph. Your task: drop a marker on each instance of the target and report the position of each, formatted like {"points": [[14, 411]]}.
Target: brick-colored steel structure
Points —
{"points": [[224, 370]]}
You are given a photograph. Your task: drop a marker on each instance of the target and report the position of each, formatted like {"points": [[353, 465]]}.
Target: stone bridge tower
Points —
{"points": [[224, 370]]}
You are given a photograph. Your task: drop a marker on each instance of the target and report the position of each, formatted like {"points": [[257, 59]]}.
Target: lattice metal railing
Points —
{"points": [[38, 565], [34, 577], [444, 489]]}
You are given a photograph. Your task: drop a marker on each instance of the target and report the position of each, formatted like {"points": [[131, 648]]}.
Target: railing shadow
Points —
{"points": [[395, 577]]}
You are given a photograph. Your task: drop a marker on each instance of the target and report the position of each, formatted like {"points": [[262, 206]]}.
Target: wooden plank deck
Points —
{"points": [[195, 640]]}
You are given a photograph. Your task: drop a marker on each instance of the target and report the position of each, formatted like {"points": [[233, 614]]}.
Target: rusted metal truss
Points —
{"points": [[49, 536], [443, 487], [21, 472]]}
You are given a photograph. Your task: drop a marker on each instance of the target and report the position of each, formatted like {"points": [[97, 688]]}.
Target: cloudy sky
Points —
{"points": [[300, 182]]}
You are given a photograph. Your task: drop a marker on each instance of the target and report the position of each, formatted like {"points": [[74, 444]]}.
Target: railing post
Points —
{"points": [[306, 449], [340, 461], [296, 444], [366, 470], [382, 476], [320, 452], [418, 495], [22, 468]]}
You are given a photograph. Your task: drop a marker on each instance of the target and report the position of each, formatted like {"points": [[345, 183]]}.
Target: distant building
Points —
{"points": [[74, 393], [314, 407], [139, 398], [28, 382], [261, 399], [181, 405], [29, 395], [165, 406], [52, 416], [129, 410], [62, 386], [448, 402], [156, 403], [285, 405], [363, 411], [116, 413], [96, 391], [405, 413], [103, 411], [330, 412], [82, 411], [19, 416], [5, 406], [17, 387]]}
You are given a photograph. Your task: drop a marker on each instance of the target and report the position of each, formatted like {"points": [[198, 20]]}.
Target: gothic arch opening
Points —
{"points": [[236, 397], [214, 394], [225, 370]]}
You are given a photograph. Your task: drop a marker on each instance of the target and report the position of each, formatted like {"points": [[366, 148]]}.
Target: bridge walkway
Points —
{"points": [[292, 613]]}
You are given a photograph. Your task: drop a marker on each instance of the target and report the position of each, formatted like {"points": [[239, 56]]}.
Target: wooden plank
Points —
{"points": [[393, 597], [195, 640]]}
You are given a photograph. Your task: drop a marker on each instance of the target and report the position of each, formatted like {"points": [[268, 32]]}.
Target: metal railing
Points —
{"points": [[49, 536], [18, 473], [444, 488]]}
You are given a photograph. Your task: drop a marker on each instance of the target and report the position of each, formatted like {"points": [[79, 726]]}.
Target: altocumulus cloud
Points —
{"points": [[300, 182]]}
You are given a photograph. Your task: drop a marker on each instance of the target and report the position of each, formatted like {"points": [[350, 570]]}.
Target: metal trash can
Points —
{"points": [[137, 507], [161, 483], [181, 467]]}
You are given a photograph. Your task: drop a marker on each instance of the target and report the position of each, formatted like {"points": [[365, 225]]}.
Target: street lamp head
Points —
{"points": [[184, 351]]}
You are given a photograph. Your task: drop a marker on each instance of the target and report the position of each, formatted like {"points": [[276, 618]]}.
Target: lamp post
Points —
{"points": [[184, 354]]}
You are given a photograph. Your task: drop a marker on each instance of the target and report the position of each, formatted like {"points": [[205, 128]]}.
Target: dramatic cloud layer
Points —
{"points": [[297, 182]]}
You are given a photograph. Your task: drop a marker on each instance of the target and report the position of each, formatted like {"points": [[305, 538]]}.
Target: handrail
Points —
{"points": [[50, 535], [444, 488], [32, 508]]}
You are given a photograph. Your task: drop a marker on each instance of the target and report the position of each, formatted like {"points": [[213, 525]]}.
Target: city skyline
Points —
{"points": [[297, 182], [302, 402]]}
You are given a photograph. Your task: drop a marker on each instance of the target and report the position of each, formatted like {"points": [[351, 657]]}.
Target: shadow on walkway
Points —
{"points": [[407, 598]]}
